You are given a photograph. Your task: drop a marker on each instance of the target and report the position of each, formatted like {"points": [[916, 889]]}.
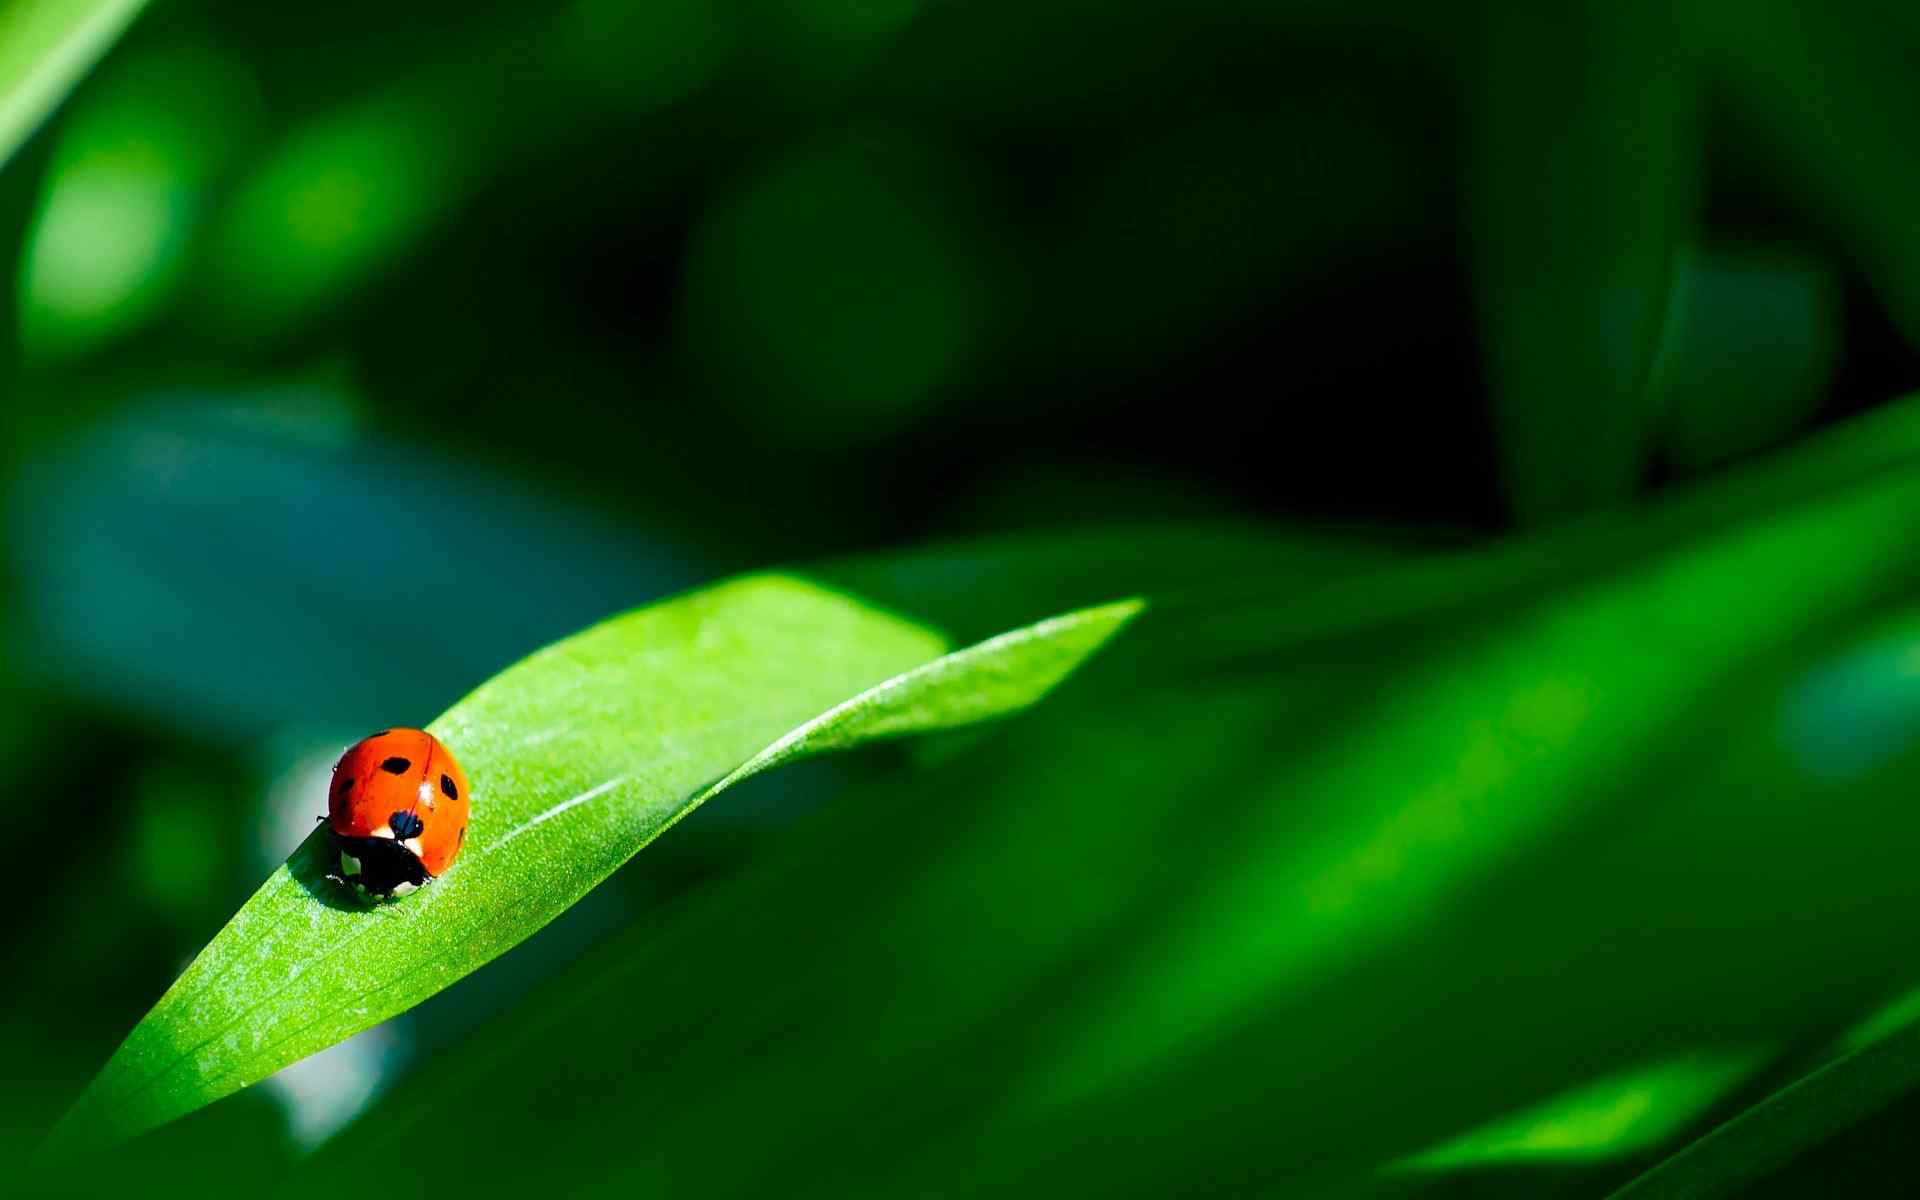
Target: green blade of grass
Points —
{"points": [[578, 757], [45, 47]]}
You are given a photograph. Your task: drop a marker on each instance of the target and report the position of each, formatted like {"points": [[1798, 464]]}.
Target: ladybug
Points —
{"points": [[397, 809]]}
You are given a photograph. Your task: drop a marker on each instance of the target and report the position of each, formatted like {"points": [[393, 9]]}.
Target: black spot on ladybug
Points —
{"points": [[396, 765], [405, 825], [346, 785], [446, 786]]}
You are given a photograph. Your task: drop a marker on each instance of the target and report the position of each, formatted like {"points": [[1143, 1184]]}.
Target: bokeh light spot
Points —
{"points": [[323, 1092], [108, 246], [835, 291], [331, 206], [1858, 710]]}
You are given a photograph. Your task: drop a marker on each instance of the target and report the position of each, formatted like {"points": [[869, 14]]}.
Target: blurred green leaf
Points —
{"points": [[1828, 91], [45, 47], [1747, 352], [238, 519], [1484, 760], [1583, 187], [1619, 1114], [1801, 1115], [1885, 1021], [132, 170], [1272, 921]]}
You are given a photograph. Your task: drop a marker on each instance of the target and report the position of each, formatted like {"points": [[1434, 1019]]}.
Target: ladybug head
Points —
{"points": [[383, 866]]}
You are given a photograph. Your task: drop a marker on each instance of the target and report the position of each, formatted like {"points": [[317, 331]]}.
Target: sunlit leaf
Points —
{"points": [[578, 757]]}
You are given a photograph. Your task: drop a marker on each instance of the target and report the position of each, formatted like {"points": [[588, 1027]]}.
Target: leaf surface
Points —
{"points": [[578, 756]]}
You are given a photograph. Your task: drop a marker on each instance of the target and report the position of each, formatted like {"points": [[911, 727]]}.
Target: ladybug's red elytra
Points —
{"points": [[397, 807]]}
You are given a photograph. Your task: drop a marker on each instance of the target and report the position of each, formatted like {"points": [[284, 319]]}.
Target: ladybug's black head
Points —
{"points": [[381, 866]]}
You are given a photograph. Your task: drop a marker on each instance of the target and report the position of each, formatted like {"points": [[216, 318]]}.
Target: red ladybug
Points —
{"points": [[398, 811]]}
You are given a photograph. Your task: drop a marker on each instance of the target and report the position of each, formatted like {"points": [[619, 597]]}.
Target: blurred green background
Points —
{"points": [[1558, 803]]}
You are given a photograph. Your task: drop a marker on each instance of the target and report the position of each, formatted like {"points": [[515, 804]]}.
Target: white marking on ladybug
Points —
{"points": [[385, 831], [413, 844]]}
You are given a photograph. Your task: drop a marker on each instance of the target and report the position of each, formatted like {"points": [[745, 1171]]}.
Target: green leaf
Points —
{"points": [[578, 757], [45, 47], [1586, 113], [1841, 149], [1801, 1115]]}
